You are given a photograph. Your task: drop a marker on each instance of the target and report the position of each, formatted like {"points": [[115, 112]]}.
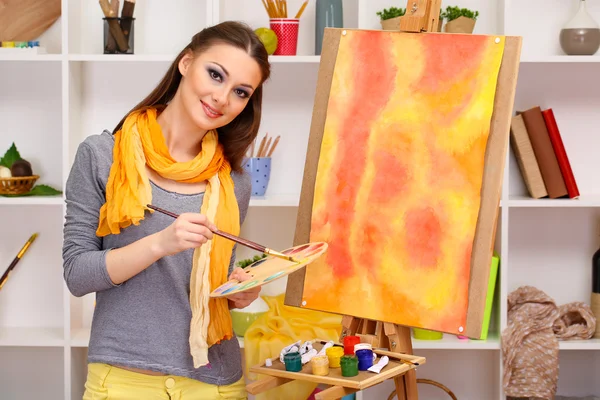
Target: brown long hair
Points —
{"points": [[236, 136]]}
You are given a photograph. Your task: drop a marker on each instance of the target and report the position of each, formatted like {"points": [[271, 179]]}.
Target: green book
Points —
{"points": [[489, 300]]}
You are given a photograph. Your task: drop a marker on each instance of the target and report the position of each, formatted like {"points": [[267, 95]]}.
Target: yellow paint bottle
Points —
{"points": [[320, 365], [334, 354]]}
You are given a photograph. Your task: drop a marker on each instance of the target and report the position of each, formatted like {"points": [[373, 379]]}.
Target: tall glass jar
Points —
{"points": [[581, 35], [328, 14]]}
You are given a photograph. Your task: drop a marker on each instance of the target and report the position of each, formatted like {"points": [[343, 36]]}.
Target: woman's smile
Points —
{"points": [[209, 111]]}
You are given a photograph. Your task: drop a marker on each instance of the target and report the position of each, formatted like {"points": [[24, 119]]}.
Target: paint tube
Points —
{"points": [[325, 347], [289, 349], [383, 361], [306, 357]]}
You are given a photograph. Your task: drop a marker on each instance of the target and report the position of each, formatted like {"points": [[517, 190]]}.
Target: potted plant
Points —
{"points": [[459, 20], [390, 18]]}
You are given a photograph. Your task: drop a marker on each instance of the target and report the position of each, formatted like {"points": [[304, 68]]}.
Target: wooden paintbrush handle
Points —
{"points": [[113, 25], [239, 240], [126, 15]]}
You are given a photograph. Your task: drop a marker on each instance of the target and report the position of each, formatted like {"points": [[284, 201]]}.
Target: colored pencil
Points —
{"points": [[301, 10], [17, 259], [234, 238]]}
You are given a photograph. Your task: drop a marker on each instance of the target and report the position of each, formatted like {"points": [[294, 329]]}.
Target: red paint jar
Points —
{"points": [[349, 342]]}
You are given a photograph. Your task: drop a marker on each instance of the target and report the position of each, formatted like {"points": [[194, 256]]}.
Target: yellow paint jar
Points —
{"points": [[320, 365], [334, 354]]}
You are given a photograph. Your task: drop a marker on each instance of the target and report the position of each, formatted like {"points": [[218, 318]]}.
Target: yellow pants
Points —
{"points": [[106, 382]]}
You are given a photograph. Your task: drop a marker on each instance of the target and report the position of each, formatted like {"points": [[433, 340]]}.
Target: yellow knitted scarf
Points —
{"points": [[128, 191]]}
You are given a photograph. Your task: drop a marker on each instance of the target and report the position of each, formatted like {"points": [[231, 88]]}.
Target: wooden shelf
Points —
{"points": [[281, 200], [30, 57], [31, 337], [171, 57], [32, 200], [526, 201], [591, 344], [450, 342], [302, 59], [560, 59]]}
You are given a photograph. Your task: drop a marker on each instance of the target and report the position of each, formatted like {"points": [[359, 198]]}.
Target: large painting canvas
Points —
{"points": [[397, 191]]}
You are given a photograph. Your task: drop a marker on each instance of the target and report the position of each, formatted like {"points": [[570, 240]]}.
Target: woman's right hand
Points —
{"points": [[188, 231]]}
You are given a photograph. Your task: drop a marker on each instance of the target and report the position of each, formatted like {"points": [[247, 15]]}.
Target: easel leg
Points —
{"points": [[400, 342]]}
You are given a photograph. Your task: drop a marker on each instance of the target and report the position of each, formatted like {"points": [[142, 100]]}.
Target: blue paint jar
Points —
{"points": [[365, 359]]}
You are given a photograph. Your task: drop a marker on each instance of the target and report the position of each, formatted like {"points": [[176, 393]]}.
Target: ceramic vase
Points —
{"points": [[244, 318], [328, 14], [581, 35]]}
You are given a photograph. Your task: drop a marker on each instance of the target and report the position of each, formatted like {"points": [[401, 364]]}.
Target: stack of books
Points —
{"points": [[540, 153]]}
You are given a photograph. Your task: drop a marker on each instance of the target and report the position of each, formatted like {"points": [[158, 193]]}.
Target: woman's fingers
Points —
{"points": [[240, 275]]}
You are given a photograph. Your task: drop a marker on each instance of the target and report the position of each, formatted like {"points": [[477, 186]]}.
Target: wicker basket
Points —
{"points": [[17, 184]]}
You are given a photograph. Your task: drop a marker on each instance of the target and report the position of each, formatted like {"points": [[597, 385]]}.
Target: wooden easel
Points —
{"points": [[386, 335], [421, 16]]}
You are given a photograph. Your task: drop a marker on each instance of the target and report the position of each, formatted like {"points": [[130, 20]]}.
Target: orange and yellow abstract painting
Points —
{"points": [[397, 193]]}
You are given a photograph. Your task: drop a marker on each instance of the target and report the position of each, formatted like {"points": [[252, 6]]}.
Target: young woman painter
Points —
{"points": [[156, 333]]}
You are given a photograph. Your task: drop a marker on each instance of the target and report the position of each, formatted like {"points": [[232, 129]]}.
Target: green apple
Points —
{"points": [[269, 39]]}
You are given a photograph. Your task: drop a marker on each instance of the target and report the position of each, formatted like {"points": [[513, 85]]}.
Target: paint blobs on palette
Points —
{"points": [[269, 269], [305, 250]]}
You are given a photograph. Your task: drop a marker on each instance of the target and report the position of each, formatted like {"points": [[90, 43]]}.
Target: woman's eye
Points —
{"points": [[241, 93], [215, 75]]}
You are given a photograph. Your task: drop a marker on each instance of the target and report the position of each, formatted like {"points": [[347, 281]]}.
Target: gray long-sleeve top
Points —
{"points": [[145, 321]]}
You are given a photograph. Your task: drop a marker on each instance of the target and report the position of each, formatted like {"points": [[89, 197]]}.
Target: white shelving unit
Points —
{"points": [[50, 103]]}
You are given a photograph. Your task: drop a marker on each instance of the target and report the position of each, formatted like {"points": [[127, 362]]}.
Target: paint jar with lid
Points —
{"points": [[320, 365], [334, 353], [349, 365], [349, 343], [293, 362], [365, 359]]}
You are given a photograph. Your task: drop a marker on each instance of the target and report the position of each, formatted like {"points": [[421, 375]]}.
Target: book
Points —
{"points": [[544, 152], [561, 153], [530, 170]]}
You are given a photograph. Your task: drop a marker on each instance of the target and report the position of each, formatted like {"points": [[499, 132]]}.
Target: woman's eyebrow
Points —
{"points": [[227, 73]]}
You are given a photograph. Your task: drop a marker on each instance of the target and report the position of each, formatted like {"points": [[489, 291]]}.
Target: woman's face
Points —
{"points": [[217, 84]]}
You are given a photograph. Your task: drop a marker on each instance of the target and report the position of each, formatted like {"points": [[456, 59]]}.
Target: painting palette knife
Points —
{"points": [[270, 269]]}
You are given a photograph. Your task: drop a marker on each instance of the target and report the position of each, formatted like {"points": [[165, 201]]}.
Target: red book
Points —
{"points": [[561, 154]]}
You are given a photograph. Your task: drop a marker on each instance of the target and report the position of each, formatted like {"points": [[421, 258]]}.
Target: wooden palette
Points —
{"points": [[270, 268]]}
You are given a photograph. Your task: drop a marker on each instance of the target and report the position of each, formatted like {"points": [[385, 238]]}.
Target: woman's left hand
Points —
{"points": [[242, 299]]}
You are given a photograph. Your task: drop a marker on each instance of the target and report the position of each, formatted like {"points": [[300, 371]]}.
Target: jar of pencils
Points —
{"points": [[259, 169], [284, 25], [258, 163]]}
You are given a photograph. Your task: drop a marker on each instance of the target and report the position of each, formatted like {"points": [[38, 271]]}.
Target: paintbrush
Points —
{"points": [[247, 243], [14, 262]]}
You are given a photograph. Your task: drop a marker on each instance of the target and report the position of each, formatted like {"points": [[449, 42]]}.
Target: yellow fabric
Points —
{"points": [[281, 326], [108, 382], [128, 191]]}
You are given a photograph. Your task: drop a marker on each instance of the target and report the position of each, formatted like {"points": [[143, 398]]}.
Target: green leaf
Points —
{"points": [[43, 190], [38, 190], [11, 155]]}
